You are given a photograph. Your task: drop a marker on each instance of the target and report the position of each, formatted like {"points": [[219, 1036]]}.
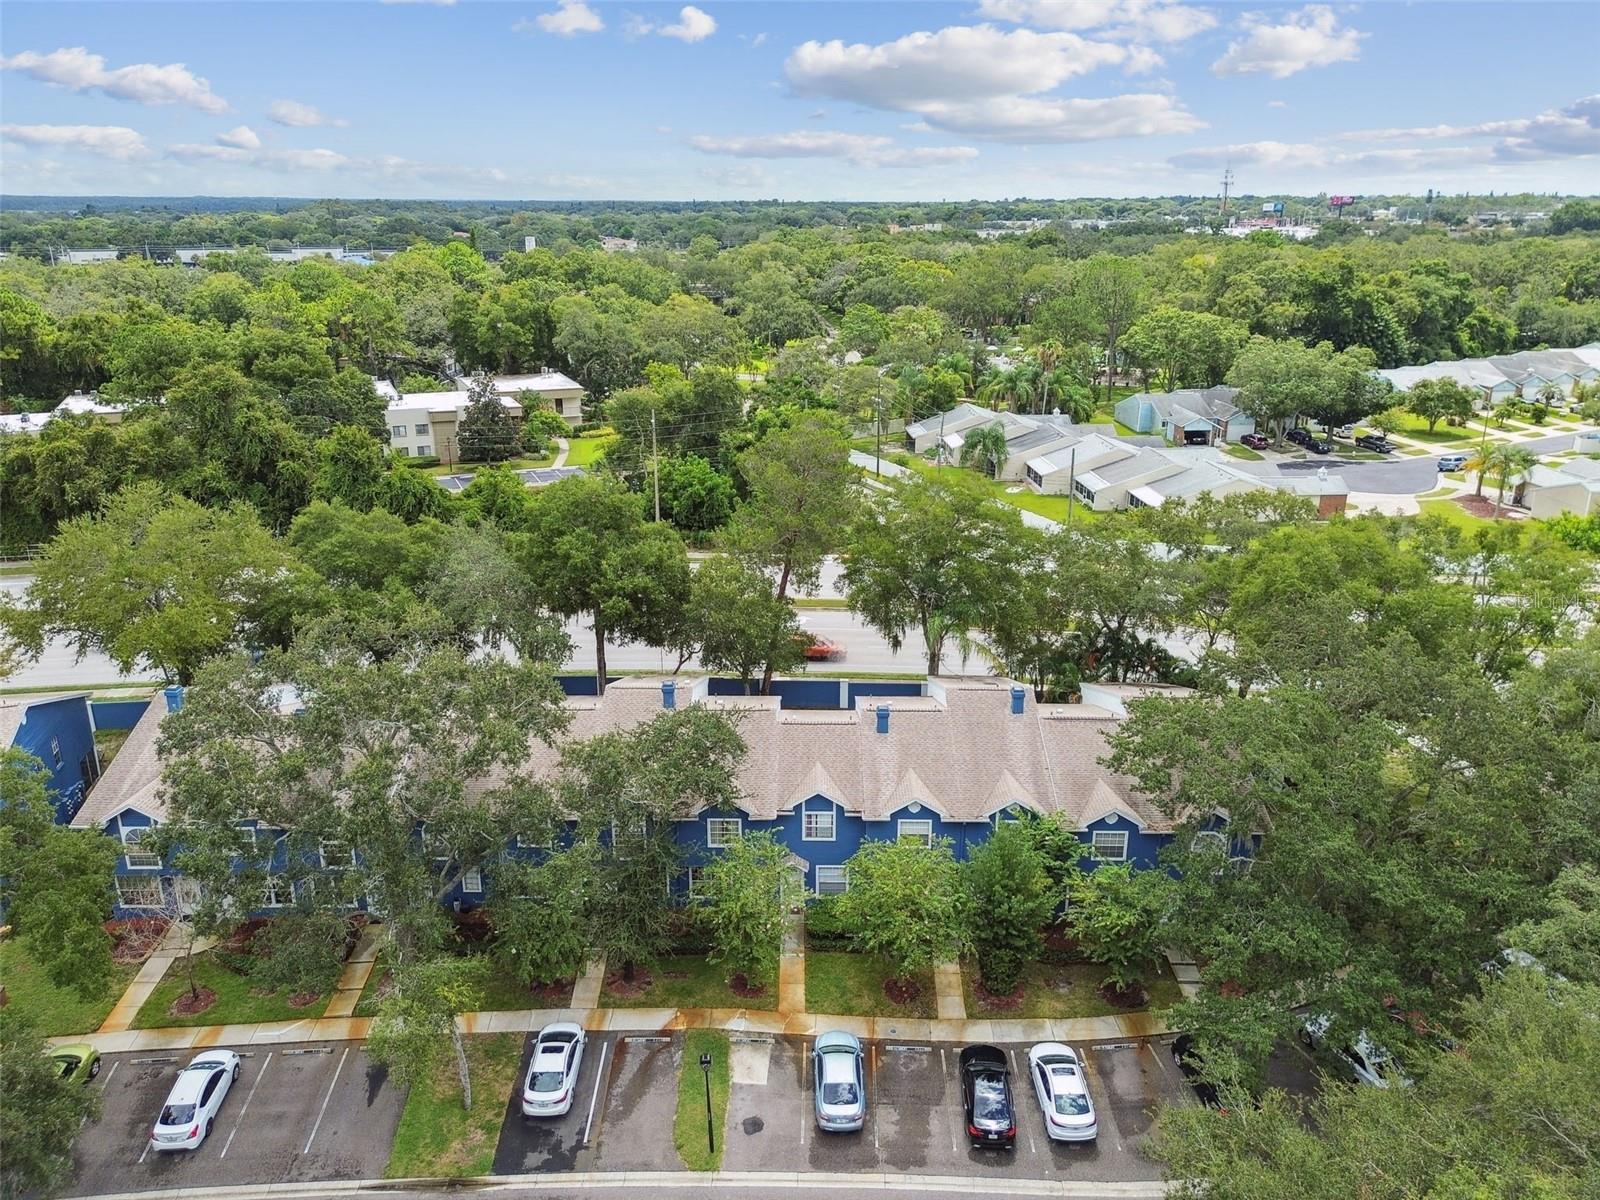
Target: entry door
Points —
{"points": [[188, 892]]}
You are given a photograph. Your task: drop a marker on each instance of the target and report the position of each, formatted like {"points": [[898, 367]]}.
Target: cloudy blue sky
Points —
{"points": [[988, 99]]}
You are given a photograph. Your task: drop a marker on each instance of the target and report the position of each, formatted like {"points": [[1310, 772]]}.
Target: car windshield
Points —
{"points": [[839, 1093], [67, 1065], [989, 1099], [177, 1114], [547, 1081], [1070, 1105]]}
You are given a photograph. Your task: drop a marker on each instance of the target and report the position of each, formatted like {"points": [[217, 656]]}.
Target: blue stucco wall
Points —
{"points": [[60, 734], [118, 714], [1136, 413]]}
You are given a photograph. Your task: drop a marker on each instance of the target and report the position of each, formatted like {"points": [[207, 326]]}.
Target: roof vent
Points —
{"points": [[883, 718], [669, 694], [174, 697], [1018, 698]]}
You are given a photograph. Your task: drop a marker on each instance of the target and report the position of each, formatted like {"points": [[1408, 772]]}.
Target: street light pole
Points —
{"points": [[711, 1140]]}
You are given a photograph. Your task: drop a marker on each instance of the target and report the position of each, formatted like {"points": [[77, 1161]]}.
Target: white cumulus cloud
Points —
{"points": [[241, 136], [981, 81], [1311, 37], [107, 141], [571, 17], [301, 116], [692, 25], [145, 83]]}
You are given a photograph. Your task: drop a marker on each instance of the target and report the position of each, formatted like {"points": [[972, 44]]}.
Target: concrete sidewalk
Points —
{"points": [[643, 1020], [353, 979], [150, 974]]}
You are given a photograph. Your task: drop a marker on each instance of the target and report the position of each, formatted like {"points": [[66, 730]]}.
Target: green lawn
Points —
{"points": [[1243, 452], [584, 451], [54, 1010], [238, 1000], [818, 602], [1023, 497], [1065, 989], [1455, 514], [840, 983], [689, 981], [436, 1138], [689, 1123], [107, 742], [504, 993]]}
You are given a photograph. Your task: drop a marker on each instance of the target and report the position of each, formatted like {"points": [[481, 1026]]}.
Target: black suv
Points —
{"points": [[1319, 445], [1300, 437], [1374, 442], [986, 1097]]}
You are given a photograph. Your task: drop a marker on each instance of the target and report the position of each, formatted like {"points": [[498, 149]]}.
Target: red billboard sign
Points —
{"points": [[1340, 201]]}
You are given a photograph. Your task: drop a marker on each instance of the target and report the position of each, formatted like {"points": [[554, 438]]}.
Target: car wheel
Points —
{"points": [[235, 1072], [94, 1068], [1306, 1040], [210, 1125]]}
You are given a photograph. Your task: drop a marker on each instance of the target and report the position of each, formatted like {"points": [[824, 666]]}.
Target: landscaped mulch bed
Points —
{"points": [[189, 1004], [134, 938]]}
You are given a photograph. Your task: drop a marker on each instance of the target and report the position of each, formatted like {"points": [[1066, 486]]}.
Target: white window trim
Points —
{"points": [[349, 855], [714, 842], [1207, 839], [694, 876], [273, 890], [832, 815], [472, 882], [1094, 844], [132, 837], [152, 882], [901, 834], [842, 877], [397, 431]]}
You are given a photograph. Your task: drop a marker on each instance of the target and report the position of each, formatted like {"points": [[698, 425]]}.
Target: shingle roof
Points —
{"points": [[958, 751], [14, 711], [133, 780]]}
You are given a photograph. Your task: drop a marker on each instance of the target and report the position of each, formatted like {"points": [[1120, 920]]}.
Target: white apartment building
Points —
{"points": [[423, 424]]}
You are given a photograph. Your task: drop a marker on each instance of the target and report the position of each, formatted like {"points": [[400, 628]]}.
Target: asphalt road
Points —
{"points": [[297, 1112]]}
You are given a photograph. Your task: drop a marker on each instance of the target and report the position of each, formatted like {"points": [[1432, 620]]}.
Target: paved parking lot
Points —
{"points": [[628, 1088], [297, 1112]]}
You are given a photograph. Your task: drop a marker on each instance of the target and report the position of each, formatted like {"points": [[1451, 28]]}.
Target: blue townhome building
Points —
{"points": [[951, 761], [58, 730]]}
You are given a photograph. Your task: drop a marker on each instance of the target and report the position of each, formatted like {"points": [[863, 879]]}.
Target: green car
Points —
{"points": [[79, 1061]]}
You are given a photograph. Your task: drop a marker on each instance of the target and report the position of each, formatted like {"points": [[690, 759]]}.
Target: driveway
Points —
{"points": [[317, 1111]]}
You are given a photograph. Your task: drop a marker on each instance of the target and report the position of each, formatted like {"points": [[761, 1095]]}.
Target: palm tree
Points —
{"points": [[1075, 400], [1550, 394], [985, 447], [1513, 463], [1000, 387], [1047, 354], [1480, 462]]}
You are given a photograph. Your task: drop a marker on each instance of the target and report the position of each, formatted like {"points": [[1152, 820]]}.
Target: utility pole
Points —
{"points": [[1072, 482], [1227, 186], [655, 462], [877, 462]]}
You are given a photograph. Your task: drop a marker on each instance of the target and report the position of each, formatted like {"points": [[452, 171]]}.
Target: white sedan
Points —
{"points": [[191, 1108], [1370, 1063], [553, 1070], [1062, 1088]]}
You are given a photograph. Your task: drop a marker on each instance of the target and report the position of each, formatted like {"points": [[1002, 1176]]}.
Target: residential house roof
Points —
{"points": [[962, 416], [14, 712], [542, 381], [133, 780]]}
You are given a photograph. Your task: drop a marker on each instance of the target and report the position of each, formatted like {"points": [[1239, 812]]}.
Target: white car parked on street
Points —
{"points": [[191, 1108], [553, 1071], [1062, 1088]]}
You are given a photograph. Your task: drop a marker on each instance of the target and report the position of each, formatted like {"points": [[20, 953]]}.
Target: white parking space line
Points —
{"points": [[599, 1082], [145, 1151], [323, 1111], [239, 1120], [106, 1082], [805, 1086]]}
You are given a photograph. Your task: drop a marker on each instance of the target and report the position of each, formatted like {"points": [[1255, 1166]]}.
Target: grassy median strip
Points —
{"points": [[689, 1125], [436, 1137], [55, 1010], [238, 1001]]}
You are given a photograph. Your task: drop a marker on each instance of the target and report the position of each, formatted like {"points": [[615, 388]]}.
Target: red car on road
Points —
{"points": [[817, 649]]}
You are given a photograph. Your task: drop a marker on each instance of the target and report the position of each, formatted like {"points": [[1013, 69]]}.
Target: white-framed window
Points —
{"points": [[1009, 815], [137, 859], [276, 892], [472, 882], [424, 451], [832, 881], [535, 841], [143, 892], [402, 451], [55, 750], [723, 831], [819, 826], [696, 877], [397, 430], [433, 846], [919, 830], [422, 430], [1208, 841], [1110, 844], [336, 854]]}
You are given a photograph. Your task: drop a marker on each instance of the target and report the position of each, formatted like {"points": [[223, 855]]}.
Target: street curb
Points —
{"points": [[596, 1180]]}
